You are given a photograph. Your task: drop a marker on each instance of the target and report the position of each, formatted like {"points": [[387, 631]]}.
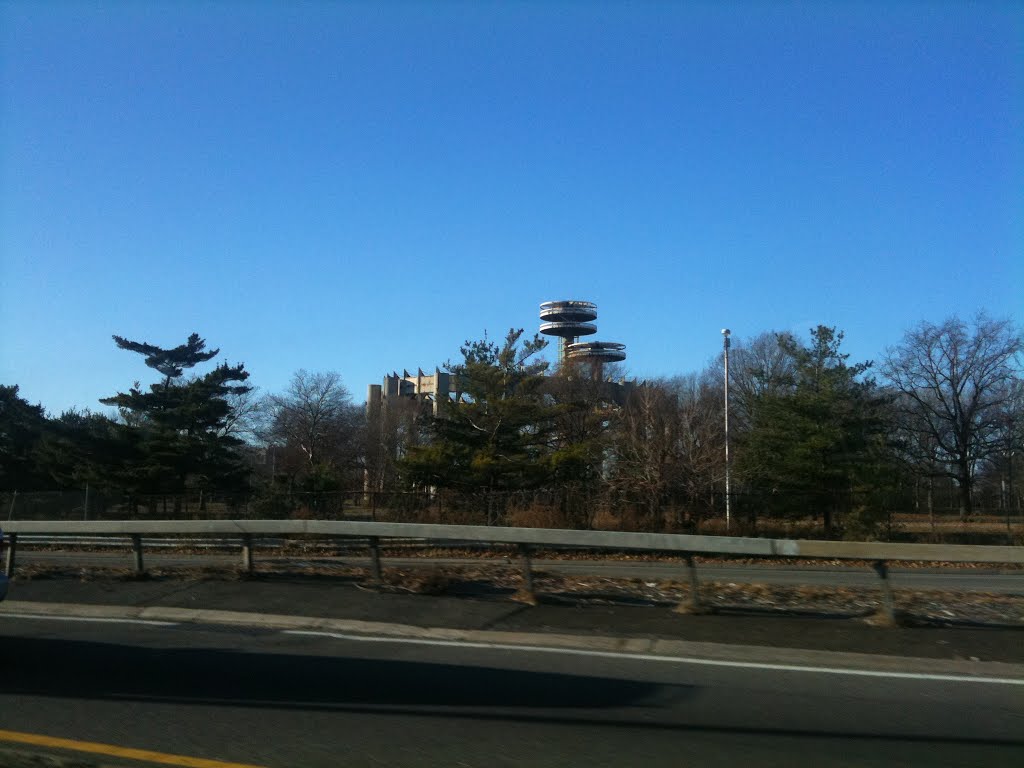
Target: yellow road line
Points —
{"points": [[112, 750]]}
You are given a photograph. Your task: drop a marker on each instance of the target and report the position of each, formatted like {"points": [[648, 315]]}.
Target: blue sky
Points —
{"points": [[360, 187]]}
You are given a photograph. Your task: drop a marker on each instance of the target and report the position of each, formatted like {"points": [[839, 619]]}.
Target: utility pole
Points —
{"points": [[728, 507]]}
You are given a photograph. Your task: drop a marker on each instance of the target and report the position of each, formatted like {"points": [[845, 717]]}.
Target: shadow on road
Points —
{"points": [[86, 669], [89, 670]]}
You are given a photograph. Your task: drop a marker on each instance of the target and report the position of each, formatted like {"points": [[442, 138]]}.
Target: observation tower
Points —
{"points": [[602, 351], [569, 320]]}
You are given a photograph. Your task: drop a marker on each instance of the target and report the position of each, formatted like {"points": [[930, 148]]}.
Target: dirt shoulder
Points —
{"points": [[935, 624]]}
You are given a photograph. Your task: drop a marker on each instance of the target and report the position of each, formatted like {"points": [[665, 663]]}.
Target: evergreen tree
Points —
{"points": [[80, 447], [21, 428], [178, 424], [497, 439], [817, 444]]}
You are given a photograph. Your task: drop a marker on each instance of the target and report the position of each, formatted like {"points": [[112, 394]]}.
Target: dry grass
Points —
{"points": [[502, 581], [432, 581], [536, 516]]}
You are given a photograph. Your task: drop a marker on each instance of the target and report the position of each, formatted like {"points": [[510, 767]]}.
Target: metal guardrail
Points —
{"points": [[525, 539], [207, 542]]}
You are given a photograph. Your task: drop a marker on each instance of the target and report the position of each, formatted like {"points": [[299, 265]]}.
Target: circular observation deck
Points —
{"points": [[568, 330], [568, 311], [597, 351], [568, 319]]}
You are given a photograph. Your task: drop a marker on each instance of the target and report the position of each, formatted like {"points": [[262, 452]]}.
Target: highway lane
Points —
{"points": [[980, 580], [273, 698]]}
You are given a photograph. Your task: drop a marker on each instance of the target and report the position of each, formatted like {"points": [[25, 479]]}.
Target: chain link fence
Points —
{"points": [[550, 508]]}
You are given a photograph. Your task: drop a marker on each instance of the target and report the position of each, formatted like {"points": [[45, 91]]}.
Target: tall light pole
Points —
{"points": [[725, 351]]}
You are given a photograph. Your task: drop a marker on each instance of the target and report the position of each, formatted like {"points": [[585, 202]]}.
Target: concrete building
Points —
{"points": [[432, 388]]}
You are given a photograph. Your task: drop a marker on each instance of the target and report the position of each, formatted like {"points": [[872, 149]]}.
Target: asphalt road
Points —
{"points": [[271, 698], [330, 597], [981, 580]]}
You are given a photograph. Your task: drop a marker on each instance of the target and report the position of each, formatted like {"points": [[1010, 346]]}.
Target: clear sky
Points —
{"points": [[362, 186]]}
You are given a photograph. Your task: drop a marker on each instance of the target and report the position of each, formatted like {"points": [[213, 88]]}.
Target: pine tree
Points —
{"points": [[814, 444], [496, 440], [21, 428], [178, 423]]}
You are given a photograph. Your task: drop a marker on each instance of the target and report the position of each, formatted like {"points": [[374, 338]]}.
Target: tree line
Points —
{"points": [[812, 435]]}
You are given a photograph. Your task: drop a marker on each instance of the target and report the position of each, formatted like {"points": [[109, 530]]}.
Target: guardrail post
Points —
{"points": [[375, 570], [137, 552], [693, 604], [12, 548], [247, 552], [527, 592], [887, 613]]}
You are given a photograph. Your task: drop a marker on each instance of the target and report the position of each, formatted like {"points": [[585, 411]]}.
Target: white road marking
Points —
{"points": [[97, 619], [570, 652], [669, 659]]}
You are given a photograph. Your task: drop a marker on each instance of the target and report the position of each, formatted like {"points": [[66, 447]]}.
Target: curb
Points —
{"points": [[625, 646]]}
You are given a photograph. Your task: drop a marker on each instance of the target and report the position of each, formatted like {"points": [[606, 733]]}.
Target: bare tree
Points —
{"points": [[244, 419], [579, 442], [762, 366], [919, 450], [667, 447], [314, 422], [700, 440], [1009, 438], [391, 428], [956, 379], [644, 455]]}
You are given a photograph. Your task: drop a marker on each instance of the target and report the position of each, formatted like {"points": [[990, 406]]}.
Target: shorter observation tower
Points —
{"points": [[569, 320], [601, 351]]}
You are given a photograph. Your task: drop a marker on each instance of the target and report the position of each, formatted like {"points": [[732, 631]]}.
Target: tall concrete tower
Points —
{"points": [[569, 320]]}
